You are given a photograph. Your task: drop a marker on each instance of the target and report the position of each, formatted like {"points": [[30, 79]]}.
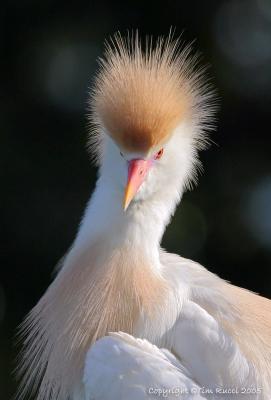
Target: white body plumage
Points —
{"points": [[189, 321]]}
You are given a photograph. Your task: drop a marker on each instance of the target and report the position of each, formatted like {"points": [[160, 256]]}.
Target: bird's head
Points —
{"points": [[150, 110]]}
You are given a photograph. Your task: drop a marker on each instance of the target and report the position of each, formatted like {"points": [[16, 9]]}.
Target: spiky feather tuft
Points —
{"points": [[140, 96]]}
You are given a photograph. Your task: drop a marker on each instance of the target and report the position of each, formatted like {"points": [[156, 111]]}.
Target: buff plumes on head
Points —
{"points": [[140, 96]]}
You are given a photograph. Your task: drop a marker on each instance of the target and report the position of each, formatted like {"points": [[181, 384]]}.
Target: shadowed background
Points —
{"points": [[48, 53]]}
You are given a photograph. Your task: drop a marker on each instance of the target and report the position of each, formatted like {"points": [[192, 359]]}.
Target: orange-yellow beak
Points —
{"points": [[137, 171]]}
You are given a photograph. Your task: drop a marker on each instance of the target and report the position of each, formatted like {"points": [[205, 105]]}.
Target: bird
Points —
{"points": [[123, 318]]}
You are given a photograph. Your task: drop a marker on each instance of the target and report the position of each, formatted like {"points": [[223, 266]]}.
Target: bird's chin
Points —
{"points": [[137, 202]]}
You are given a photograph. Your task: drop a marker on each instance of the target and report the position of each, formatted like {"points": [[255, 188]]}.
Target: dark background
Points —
{"points": [[48, 52]]}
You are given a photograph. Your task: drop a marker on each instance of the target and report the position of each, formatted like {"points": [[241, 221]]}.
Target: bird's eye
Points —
{"points": [[159, 154], [121, 154]]}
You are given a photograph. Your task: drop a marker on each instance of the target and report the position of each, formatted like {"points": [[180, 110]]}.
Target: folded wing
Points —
{"points": [[121, 367]]}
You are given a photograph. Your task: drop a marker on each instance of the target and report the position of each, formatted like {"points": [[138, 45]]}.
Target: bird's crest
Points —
{"points": [[140, 96]]}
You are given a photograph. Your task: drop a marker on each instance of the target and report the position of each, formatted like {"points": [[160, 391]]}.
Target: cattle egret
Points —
{"points": [[124, 319]]}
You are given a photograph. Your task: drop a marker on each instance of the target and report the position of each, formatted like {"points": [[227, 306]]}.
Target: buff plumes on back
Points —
{"points": [[138, 98]]}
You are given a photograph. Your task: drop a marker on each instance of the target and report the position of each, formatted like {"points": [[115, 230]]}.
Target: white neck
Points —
{"points": [[140, 228]]}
